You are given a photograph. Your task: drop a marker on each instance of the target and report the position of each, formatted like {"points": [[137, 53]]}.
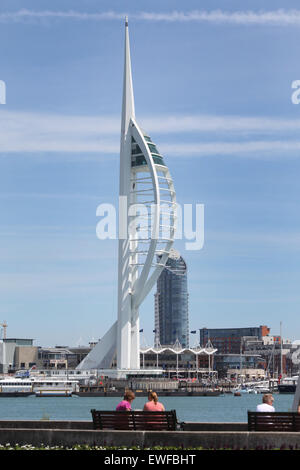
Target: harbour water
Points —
{"points": [[224, 408]]}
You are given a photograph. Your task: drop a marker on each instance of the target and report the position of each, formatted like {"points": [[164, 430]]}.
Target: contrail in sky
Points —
{"points": [[279, 17]]}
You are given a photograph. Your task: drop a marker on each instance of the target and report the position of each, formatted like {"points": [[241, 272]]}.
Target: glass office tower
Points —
{"points": [[171, 303]]}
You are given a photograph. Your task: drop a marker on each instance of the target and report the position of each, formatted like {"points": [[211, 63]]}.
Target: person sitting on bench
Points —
{"points": [[267, 404], [125, 404], [153, 404]]}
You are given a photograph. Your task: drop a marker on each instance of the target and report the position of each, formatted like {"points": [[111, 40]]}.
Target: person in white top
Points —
{"points": [[267, 404]]}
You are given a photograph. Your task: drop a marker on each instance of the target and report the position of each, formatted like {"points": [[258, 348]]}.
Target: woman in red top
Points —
{"points": [[153, 404]]}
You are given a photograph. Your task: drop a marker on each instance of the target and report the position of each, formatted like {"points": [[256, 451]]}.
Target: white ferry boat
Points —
{"points": [[44, 383], [10, 386], [45, 386], [54, 386]]}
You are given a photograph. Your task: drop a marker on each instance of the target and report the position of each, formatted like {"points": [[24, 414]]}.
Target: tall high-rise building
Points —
{"points": [[171, 303]]}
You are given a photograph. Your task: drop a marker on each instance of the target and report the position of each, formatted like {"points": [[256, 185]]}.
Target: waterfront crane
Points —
{"points": [[4, 326]]}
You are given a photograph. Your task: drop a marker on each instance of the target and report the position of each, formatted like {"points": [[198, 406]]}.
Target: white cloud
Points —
{"points": [[280, 17], [276, 18], [24, 14], [37, 132], [22, 132], [255, 149], [210, 123]]}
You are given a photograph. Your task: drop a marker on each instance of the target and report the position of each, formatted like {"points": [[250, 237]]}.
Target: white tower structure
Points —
{"points": [[147, 216]]}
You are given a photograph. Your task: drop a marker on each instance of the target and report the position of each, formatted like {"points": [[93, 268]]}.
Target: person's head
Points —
{"points": [[152, 396], [129, 396], [268, 399]]}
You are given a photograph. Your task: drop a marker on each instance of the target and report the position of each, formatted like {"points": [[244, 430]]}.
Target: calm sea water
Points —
{"points": [[224, 408]]}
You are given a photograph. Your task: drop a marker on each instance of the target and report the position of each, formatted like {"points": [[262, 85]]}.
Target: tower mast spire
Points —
{"points": [[128, 98], [125, 328]]}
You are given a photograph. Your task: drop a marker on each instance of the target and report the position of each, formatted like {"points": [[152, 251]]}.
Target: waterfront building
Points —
{"points": [[250, 349], [176, 361], [60, 357], [230, 340], [277, 358], [171, 303], [17, 353], [244, 374], [232, 364], [145, 181]]}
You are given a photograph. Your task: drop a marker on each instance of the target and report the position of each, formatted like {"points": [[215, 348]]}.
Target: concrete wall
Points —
{"points": [[189, 426], [25, 355], [180, 439], [66, 434], [45, 424], [14, 355], [48, 424], [7, 356]]}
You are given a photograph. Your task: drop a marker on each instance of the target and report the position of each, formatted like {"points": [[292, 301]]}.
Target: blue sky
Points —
{"points": [[213, 88]]}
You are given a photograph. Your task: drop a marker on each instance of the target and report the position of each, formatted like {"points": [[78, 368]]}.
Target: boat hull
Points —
{"points": [[286, 388], [15, 394], [53, 393], [163, 393]]}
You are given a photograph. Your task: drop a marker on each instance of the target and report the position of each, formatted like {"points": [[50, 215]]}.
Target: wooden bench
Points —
{"points": [[274, 421], [135, 420]]}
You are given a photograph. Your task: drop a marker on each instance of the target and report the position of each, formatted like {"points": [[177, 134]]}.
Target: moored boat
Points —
{"points": [[45, 386], [53, 392], [288, 384], [15, 387], [262, 389]]}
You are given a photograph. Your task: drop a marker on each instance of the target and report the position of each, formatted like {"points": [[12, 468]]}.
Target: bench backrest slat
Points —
{"points": [[135, 420], [274, 421]]}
